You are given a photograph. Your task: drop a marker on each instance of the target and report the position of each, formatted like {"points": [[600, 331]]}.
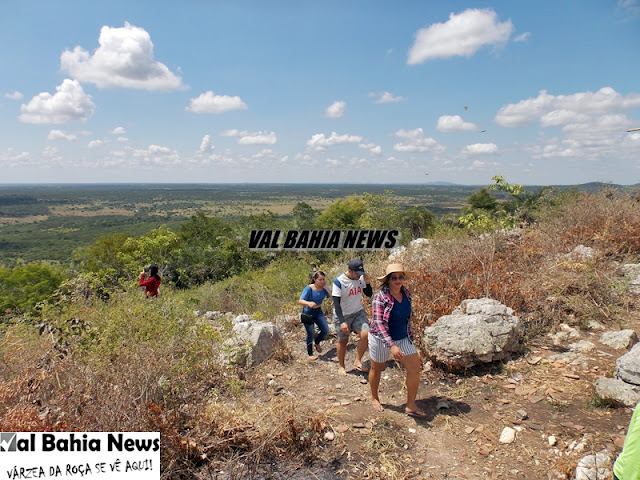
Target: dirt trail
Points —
{"points": [[466, 414]]}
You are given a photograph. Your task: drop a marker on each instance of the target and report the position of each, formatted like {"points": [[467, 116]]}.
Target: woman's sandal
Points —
{"points": [[416, 413]]}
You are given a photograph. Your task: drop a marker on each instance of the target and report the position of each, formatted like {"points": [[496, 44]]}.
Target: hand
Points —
{"points": [[345, 328], [313, 305], [396, 352]]}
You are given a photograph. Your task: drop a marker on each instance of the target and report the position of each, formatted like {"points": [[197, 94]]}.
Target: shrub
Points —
{"points": [[271, 291], [23, 287]]}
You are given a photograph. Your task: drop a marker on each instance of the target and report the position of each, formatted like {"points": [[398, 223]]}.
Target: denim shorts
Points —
{"points": [[380, 353], [357, 322]]}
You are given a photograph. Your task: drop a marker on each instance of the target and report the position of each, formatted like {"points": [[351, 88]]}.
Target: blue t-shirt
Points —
{"points": [[311, 295], [399, 318]]}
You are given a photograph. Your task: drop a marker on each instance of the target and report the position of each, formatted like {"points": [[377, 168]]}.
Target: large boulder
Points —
{"points": [[595, 466], [252, 343], [631, 272], [621, 339], [617, 392], [478, 331], [628, 366]]}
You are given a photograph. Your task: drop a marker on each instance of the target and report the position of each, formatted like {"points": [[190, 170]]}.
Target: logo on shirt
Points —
{"points": [[355, 291]]}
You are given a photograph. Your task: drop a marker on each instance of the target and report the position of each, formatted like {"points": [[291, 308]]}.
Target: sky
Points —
{"points": [[350, 91]]}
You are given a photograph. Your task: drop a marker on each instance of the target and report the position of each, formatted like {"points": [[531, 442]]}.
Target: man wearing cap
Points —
{"points": [[348, 312]]}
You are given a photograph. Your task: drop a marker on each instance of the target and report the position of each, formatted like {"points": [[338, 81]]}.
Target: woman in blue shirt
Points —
{"points": [[311, 299]]}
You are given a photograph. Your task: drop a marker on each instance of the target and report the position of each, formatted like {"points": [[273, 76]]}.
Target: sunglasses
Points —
{"points": [[397, 277]]}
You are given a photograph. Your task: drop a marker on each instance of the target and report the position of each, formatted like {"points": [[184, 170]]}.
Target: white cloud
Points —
{"points": [[205, 145], [336, 109], [60, 135], [387, 97], [480, 149], [414, 141], [156, 156], [16, 95], [118, 131], [630, 8], [454, 123], [123, 59], [479, 164], [523, 37], [233, 133], [319, 142], [557, 118], [252, 138], [208, 102], [122, 139], [69, 103], [553, 110], [11, 158], [372, 147], [259, 138], [463, 34], [95, 143]]}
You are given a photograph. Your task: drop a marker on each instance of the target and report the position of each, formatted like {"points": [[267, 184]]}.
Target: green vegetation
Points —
{"points": [[85, 343], [23, 287]]}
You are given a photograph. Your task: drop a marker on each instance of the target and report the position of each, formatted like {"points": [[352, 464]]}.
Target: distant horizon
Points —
{"points": [[218, 92], [443, 183]]}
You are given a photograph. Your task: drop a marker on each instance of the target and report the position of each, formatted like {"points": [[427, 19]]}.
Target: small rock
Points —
{"points": [[485, 450], [552, 440], [508, 435], [522, 414], [341, 428], [412, 430], [329, 436], [618, 441]]}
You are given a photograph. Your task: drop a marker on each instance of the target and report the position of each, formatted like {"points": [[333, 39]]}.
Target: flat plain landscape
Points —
{"points": [[47, 222]]}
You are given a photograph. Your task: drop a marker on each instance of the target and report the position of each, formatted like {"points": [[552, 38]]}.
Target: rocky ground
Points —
{"points": [[531, 417]]}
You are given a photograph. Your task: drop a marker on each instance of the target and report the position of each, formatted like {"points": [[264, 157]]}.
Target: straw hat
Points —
{"points": [[395, 267]]}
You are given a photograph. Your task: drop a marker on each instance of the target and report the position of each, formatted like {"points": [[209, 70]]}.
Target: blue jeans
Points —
{"points": [[321, 321]]}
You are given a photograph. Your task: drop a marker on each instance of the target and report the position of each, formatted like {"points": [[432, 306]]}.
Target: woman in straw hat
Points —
{"points": [[390, 334]]}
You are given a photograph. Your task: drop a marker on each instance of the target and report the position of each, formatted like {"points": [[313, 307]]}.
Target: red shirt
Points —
{"points": [[151, 285]]}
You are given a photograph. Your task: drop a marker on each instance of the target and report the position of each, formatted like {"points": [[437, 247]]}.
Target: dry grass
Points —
{"points": [[535, 275], [150, 367]]}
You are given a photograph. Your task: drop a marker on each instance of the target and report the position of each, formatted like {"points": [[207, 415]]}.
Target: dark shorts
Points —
{"points": [[357, 322]]}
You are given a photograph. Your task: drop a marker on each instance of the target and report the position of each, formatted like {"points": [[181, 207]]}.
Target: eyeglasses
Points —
{"points": [[397, 277]]}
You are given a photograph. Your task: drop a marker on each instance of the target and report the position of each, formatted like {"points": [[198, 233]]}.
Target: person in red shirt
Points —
{"points": [[152, 283]]}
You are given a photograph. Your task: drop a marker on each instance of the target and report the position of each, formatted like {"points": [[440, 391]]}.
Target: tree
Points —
{"points": [[207, 250], [419, 220], [381, 211], [303, 215], [483, 200], [24, 286], [342, 214]]}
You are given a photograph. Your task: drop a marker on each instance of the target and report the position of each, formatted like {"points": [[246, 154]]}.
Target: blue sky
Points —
{"points": [[541, 92]]}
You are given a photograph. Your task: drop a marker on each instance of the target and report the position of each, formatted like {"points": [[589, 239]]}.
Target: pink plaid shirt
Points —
{"points": [[382, 304]]}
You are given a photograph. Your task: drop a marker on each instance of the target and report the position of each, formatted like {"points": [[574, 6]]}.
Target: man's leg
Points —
{"points": [[363, 344], [341, 349]]}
